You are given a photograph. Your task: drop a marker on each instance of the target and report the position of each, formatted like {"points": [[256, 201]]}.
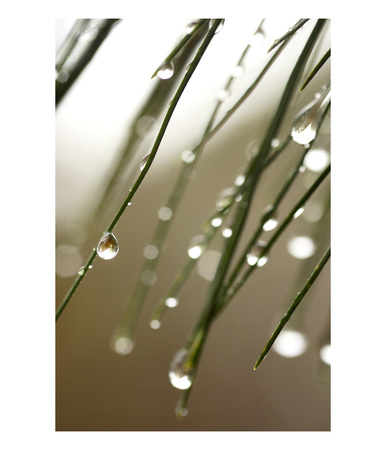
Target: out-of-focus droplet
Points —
{"points": [[254, 257], [225, 198], [148, 277], [269, 218], [122, 345], [188, 156], [180, 374], [144, 125], [316, 160], [81, 271], [196, 247], [307, 121], [143, 162], [216, 222], [165, 213], [301, 247], [239, 180], [298, 213], [325, 354], [227, 231], [166, 71], [222, 95], [108, 246], [171, 302], [313, 212], [155, 324], [150, 252], [290, 343]]}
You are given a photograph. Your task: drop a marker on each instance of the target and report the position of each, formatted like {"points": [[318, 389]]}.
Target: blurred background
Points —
{"points": [[100, 390]]}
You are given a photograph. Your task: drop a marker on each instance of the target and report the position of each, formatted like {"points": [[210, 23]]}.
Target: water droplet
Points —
{"points": [[237, 71], [148, 277], [301, 247], [122, 345], [196, 247], [166, 71], [275, 143], [81, 271], [225, 198], [252, 149], [325, 354], [219, 28], [216, 222], [188, 156], [90, 266], [180, 374], [150, 252], [155, 324], [269, 218], [143, 162], [108, 246], [171, 302], [270, 224], [254, 257], [313, 212], [307, 121], [298, 213], [190, 27], [290, 343], [239, 180], [227, 231], [165, 213], [316, 160], [222, 95]]}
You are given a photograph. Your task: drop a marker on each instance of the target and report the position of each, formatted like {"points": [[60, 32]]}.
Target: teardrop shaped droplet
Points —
{"points": [[143, 162], [307, 122], [180, 373], [219, 28], [190, 27], [166, 71], [254, 257], [81, 271], [108, 246], [269, 218]]}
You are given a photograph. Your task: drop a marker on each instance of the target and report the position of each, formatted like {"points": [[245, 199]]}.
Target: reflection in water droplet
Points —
{"points": [[143, 162], [325, 354], [165, 213], [196, 247], [90, 266], [122, 345], [225, 198], [270, 224], [301, 247], [254, 256], [171, 302], [269, 217], [150, 252], [290, 344], [181, 412], [155, 324], [316, 160], [307, 121], [166, 71], [239, 180], [108, 246], [188, 156], [180, 376]]}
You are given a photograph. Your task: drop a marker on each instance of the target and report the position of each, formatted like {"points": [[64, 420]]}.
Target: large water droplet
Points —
{"points": [[316, 160], [216, 222], [227, 231], [308, 120], [269, 218], [254, 257], [290, 343], [180, 374], [108, 246], [196, 247], [81, 271], [166, 71], [143, 162]]}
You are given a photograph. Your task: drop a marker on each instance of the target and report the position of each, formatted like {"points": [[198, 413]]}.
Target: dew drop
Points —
{"points": [[155, 324], [254, 257], [216, 222], [316, 160], [188, 156], [298, 213], [219, 28], [108, 246], [196, 247], [122, 345], [81, 271], [301, 247], [307, 122], [190, 27], [180, 411], [150, 252], [165, 213], [225, 198], [171, 302], [143, 162], [180, 375], [166, 71], [290, 343]]}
